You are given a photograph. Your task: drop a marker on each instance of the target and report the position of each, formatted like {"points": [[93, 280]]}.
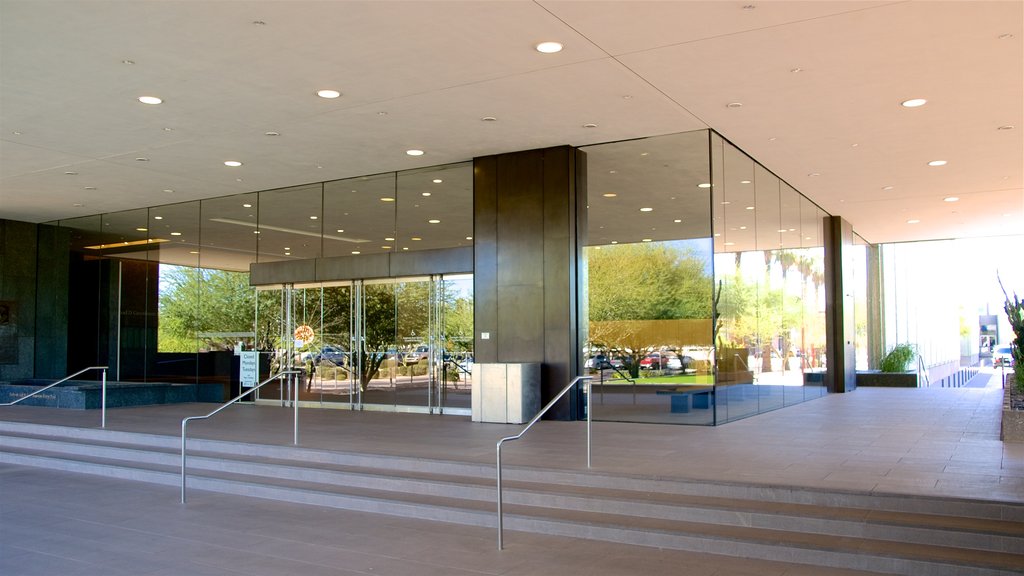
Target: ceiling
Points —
{"points": [[812, 90]]}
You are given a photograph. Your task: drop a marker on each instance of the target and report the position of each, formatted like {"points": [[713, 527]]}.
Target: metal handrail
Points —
{"points": [[103, 398], [185, 421], [922, 370], [527, 427]]}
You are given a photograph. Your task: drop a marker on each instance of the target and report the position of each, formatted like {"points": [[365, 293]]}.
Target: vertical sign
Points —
{"points": [[248, 368]]}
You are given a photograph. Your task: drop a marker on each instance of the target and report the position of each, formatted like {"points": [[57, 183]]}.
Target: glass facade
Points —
{"points": [[706, 284], [704, 291]]}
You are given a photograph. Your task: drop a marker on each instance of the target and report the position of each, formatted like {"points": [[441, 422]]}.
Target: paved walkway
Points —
{"points": [[928, 441]]}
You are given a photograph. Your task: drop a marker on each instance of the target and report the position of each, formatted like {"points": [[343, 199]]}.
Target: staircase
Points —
{"points": [[870, 532]]}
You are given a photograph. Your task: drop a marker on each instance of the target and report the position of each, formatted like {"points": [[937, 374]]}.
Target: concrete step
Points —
{"points": [[835, 529]]}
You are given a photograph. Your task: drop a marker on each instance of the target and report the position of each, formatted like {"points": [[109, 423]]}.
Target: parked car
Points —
{"points": [[602, 362], [335, 356], [1002, 356]]}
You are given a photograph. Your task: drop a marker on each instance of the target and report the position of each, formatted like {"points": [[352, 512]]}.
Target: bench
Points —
{"points": [[680, 398]]}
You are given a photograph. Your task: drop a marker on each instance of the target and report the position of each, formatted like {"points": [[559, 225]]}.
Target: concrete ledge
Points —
{"points": [[887, 379], [88, 394], [1012, 425]]}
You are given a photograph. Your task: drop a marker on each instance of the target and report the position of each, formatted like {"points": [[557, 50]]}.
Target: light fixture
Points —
{"points": [[937, 163], [1006, 127], [158, 217], [726, 202], [168, 190], [232, 163], [750, 208], [887, 187], [355, 252], [647, 209], [704, 185], [416, 238], [124, 244], [590, 125], [414, 152], [814, 174], [387, 199], [646, 240], [150, 100], [744, 181], [142, 159], [549, 47], [434, 221], [90, 187], [469, 237], [328, 94], [677, 220], [193, 251], [141, 229], [71, 173], [610, 195], [271, 133], [437, 180], [489, 119], [913, 103], [913, 221], [175, 233], [950, 199], [246, 205], [386, 247], [313, 217], [734, 105], [389, 239], [424, 193]]}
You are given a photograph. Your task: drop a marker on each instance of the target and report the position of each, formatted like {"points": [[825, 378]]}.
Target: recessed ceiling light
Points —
{"points": [[913, 221], [469, 237], [937, 163], [259, 23], [71, 173], [704, 185], [255, 231], [717, 234], [434, 221], [424, 193], [386, 247], [647, 209], [246, 205], [796, 70], [677, 220], [749, 7], [193, 252], [287, 253], [814, 174], [150, 100], [913, 103], [175, 233], [590, 125], [416, 238], [437, 180], [168, 190], [781, 230], [158, 217], [90, 187], [340, 230], [313, 217], [389, 239], [127, 61], [387, 199], [742, 228], [549, 47], [1006, 127], [356, 252], [288, 249], [750, 207], [610, 195], [615, 241], [887, 187], [414, 152], [950, 199], [726, 202], [1005, 36], [734, 105], [730, 243], [744, 181], [232, 163], [271, 133], [646, 240], [328, 93], [142, 229], [489, 119], [645, 153]]}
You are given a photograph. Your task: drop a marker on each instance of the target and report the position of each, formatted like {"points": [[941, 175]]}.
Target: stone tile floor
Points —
{"points": [[936, 441]]}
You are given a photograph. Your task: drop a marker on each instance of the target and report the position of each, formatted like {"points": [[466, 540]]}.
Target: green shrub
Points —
{"points": [[1015, 314], [898, 358]]}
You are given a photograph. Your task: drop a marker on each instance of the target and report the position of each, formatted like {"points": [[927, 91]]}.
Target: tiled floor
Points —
{"points": [[929, 440]]}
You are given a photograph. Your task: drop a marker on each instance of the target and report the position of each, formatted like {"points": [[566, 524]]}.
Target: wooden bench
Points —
{"points": [[680, 398]]}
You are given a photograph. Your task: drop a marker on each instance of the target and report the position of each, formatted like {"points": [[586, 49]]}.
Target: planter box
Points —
{"points": [[887, 379], [1012, 426]]}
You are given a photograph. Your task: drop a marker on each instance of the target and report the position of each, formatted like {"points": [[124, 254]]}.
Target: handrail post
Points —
{"points": [[590, 384], [533, 421], [184, 424], [103, 401], [295, 406]]}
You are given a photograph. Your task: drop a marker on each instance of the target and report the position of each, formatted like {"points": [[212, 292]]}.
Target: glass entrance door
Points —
{"points": [[401, 344]]}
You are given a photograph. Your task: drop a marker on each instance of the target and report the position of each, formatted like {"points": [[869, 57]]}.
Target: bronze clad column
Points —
{"points": [[839, 303], [529, 230]]}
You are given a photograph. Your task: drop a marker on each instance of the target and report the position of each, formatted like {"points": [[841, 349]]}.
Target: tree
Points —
{"points": [[636, 282]]}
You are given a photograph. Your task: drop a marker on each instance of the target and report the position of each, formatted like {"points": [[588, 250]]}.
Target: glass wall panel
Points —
{"points": [[228, 239], [769, 281], [290, 223], [359, 215], [649, 270], [456, 349], [435, 208]]}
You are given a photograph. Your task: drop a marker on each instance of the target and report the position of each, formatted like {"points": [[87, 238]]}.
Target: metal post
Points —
{"points": [[184, 423], [295, 405], [500, 524], [103, 401], [590, 410]]}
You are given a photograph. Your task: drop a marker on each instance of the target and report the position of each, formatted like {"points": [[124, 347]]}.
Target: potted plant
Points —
{"points": [[1012, 428], [894, 369]]}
